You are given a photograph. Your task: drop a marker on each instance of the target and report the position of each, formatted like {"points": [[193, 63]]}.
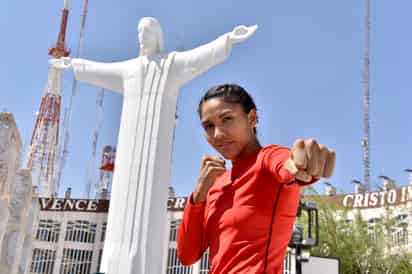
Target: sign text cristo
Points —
{"points": [[378, 199]]}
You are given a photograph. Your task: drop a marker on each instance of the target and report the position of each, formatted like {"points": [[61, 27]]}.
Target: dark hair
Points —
{"points": [[231, 94]]}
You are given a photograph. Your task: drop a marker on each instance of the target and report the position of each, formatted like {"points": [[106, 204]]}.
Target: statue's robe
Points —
{"points": [[135, 239]]}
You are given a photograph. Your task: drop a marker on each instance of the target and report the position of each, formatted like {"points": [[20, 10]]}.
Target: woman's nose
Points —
{"points": [[219, 133]]}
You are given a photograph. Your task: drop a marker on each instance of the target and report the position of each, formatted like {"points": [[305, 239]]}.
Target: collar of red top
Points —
{"points": [[243, 164]]}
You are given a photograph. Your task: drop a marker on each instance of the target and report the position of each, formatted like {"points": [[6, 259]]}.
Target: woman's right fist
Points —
{"points": [[211, 168]]}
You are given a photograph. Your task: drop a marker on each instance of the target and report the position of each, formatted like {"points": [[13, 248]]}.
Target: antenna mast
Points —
{"points": [[366, 101]]}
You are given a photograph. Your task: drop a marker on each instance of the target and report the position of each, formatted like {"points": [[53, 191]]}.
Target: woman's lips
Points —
{"points": [[225, 145]]}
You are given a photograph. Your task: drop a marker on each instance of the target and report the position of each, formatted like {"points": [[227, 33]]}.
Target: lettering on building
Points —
{"points": [[85, 205], [390, 197], [176, 204]]}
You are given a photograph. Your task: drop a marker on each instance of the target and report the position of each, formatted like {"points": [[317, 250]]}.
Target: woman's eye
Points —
{"points": [[208, 126], [227, 119]]}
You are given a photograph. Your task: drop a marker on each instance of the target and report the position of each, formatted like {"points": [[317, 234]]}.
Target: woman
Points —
{"points": [[245, 215]]}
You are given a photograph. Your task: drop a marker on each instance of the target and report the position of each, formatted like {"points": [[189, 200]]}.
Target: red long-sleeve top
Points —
{"points": [[247, 219]]}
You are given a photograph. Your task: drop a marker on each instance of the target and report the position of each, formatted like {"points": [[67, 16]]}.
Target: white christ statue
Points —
{"points": [[150, 83]]}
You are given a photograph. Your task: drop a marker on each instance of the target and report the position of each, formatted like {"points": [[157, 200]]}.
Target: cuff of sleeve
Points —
{"points": [[301, 183], [193, 211], [192, 206]]}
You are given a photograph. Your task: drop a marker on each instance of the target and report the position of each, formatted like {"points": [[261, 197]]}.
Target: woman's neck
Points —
{"points": [[249, 149]]}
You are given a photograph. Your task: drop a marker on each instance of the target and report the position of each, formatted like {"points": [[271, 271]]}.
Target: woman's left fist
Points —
{"points": [[309, 160]]}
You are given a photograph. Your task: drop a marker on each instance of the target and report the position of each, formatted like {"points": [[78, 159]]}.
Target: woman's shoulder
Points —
{"points": [[273, 153], [274, 148]]}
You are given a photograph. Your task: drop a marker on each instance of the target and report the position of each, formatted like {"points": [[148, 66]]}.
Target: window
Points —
{"points": [[204, 263], [174, 266], [372, 228], [48, 230], [173, 230], [287, 264], [103, 235], [348, 222], [99, 260], [81, 231], [42, 261], [401, 219], [400, 230], [76, 261], [400, 236]]}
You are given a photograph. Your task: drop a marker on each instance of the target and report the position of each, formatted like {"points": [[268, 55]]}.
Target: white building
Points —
{"points": [[70, 235], [390, 203]]}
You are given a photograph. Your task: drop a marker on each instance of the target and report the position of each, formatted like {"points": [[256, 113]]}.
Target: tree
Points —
{"points": [[362, 246]]}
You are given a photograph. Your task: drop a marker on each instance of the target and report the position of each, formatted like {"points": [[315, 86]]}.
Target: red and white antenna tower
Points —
{"points": [[103, 187], [64, 146], [43, 146], [366, 101], [90, 180]]}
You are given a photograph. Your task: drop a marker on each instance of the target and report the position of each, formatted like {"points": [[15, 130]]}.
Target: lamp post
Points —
{"points": [[297, 241]]}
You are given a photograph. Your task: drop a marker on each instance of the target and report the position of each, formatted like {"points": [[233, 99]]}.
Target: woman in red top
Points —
{"points": [[245, 215]]}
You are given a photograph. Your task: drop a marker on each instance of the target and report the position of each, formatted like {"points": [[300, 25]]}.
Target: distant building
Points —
{"points": [[391, 202], [70, 235]]}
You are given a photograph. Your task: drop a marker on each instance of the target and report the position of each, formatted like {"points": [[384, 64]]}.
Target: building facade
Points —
{"points": [[70, 235], [391, 205]]}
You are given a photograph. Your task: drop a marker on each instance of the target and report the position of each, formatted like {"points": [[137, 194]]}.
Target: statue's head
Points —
{"points": [[150, 35]]}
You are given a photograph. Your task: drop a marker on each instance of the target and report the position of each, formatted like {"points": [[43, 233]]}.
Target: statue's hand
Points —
{"points": [[61, 63], [241, 33]]}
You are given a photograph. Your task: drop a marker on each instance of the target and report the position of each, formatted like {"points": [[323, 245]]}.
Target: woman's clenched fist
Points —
{"points": [[211, 168]]}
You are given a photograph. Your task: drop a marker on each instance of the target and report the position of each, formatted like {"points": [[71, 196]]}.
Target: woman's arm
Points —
{"points": [[274, 160], [191, 242], [305, 163], [190, 238]]}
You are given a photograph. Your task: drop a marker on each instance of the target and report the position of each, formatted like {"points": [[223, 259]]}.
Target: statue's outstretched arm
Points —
{"points": [[104, 75], [190, 64]]}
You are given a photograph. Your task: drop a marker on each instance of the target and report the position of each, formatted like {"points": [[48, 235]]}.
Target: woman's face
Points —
{"points": [[227, 127]]}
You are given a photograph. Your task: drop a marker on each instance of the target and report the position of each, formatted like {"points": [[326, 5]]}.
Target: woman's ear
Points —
{"points": [[252, 118]]}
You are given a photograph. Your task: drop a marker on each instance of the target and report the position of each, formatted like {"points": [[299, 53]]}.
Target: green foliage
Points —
{"points": [[360, 246]]}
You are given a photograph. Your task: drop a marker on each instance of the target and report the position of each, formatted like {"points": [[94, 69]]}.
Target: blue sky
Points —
{"points": [[303, 67]]}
